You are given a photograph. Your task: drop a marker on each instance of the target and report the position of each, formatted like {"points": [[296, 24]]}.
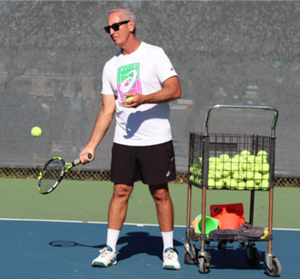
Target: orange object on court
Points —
{"points": [[230, 216]]}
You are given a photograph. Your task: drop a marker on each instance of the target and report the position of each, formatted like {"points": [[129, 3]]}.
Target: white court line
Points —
{"points": [[104, 223], [80, 222]]}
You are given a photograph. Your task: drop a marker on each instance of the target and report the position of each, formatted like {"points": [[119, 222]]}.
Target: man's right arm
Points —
{"points": [[101, 126]]}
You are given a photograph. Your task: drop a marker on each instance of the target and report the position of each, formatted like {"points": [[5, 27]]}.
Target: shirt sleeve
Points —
{"points": [[164, 67]]}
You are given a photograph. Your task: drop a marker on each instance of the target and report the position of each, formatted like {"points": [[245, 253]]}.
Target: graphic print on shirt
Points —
{"points": [[129, 80]]}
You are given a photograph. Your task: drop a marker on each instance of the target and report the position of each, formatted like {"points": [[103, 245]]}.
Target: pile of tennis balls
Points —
{"points": [[243, 171]]}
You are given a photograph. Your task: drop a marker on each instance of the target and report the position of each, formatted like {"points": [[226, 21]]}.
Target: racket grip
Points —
{"points": [[76, 162]]}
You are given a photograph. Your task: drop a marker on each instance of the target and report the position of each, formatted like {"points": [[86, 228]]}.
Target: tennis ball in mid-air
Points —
{"points": [[36, 131]]}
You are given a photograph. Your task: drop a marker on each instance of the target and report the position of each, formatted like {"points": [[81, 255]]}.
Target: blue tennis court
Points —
{"points": [[50, 249]]}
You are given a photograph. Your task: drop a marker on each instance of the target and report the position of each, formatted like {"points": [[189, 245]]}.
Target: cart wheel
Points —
{"points": [[188, 259], [203, 265], [252, 256], [275, 272]]}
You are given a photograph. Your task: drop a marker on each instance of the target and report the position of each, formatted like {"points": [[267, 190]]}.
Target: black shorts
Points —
{"points": [[152, 165]]}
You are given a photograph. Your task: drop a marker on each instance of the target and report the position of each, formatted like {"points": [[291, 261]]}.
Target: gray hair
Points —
{"points": [[126, 13]]}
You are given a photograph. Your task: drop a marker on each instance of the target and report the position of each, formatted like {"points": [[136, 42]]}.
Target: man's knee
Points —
{"points": [[122, 191], [160, 194]]}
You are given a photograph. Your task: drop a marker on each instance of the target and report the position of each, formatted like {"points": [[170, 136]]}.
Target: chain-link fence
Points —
{"points": [[225, 52], [181, 178]]}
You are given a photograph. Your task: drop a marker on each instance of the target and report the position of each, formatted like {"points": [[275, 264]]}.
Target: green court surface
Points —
{"points": [[89, 200]]}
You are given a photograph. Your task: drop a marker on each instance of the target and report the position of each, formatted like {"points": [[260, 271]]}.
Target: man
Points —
{"points": [[137, 84]]}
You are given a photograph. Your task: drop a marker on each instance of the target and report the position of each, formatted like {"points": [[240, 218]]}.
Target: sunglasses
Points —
{"points": [[115, 26]]}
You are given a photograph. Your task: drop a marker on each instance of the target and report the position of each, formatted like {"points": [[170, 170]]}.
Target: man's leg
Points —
{"points": [[118, 206], [165, 215], [116, 217], [164, 206]]}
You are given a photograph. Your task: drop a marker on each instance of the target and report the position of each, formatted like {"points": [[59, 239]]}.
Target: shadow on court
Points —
{"points": [[131, 244], [36, 249]]}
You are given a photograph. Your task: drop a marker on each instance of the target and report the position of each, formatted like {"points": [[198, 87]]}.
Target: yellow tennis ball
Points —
{"points": [[129, 98], [36, 131]]}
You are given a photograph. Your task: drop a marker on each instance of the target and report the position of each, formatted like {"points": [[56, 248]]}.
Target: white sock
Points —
{"points": [[112, 238], [167, 239]]}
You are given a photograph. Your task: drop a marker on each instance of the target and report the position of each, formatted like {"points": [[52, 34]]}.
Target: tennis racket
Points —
{"points": [[53, 172]]}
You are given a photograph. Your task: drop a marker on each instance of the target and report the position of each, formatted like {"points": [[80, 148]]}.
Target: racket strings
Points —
{"points": [[51, 174]]}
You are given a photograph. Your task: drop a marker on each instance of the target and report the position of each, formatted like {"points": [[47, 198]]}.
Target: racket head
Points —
{"points": [[50, 175], [53, 172]]}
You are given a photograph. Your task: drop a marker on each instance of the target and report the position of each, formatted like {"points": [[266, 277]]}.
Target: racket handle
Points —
{"points": [[77, 161]]}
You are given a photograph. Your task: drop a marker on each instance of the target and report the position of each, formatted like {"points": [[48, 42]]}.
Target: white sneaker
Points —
{"points": [[106, 258], [170, 258]]}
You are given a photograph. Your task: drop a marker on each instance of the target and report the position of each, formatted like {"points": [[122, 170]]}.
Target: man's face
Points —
{"points": [[120, 36]]}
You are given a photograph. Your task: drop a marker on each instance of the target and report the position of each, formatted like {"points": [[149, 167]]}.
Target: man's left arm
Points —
{"points": [[171, 91]]}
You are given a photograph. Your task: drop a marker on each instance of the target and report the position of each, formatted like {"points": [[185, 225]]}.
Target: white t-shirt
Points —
{"points": [[142, 71]]}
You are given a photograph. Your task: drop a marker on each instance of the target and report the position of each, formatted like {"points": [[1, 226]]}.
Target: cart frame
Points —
{"points": [[201, 256]]}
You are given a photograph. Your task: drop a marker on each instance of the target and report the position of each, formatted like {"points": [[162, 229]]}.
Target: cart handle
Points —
{"points": [[274, 123]]}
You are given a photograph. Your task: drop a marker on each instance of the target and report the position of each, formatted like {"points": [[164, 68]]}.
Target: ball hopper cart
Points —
{"points": [[254, 172]]}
